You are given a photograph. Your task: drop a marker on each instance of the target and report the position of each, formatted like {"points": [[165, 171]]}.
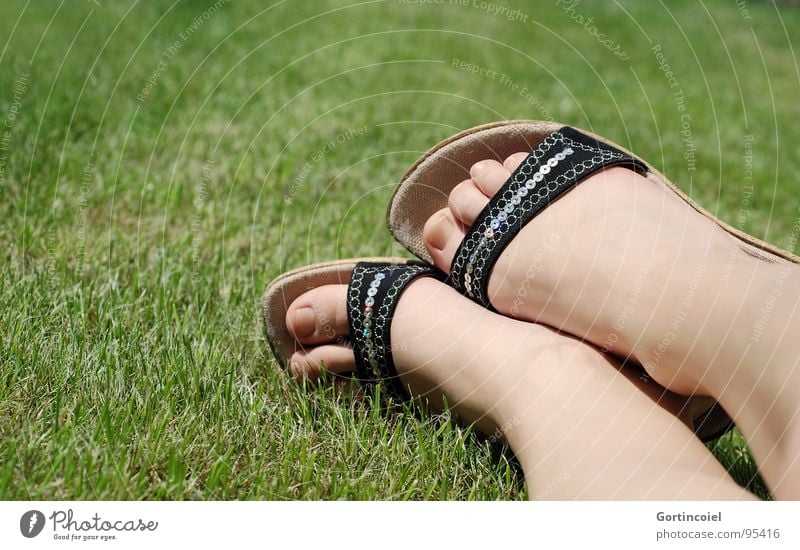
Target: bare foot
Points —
{"points": [[629, 266], [580, 426]]}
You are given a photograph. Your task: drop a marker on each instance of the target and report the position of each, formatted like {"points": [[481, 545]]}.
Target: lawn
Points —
{"points": [[161, 162]]}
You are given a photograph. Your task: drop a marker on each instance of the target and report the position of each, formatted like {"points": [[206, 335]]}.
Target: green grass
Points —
{"points": [[138, 234]]}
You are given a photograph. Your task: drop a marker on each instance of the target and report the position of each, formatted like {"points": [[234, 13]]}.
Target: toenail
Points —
{"points": [[477, 168], [440, 233], [304, 322]]}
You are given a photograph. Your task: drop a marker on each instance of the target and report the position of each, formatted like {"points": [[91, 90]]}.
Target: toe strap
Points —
{"points": [[372, 297], [564, 159]]}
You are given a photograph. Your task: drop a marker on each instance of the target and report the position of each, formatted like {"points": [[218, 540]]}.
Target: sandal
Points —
{"points": [[374, 288], [541, 179]]}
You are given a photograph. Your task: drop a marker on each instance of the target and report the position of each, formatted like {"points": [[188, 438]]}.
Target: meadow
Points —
{"points": [[161, 162]]}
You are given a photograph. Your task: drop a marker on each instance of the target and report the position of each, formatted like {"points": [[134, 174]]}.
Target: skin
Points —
{"points": [[630, 267], [581, 425]]}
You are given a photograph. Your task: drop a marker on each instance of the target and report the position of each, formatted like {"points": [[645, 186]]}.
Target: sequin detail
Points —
{"points": [[498, 223], [541, 177], [370, 319], [367, 322]]}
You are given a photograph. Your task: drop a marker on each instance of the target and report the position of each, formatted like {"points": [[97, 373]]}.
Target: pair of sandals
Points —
{"points": [[561, 157]]}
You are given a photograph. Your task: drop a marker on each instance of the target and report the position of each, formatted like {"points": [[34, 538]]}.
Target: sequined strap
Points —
{"points": [[372, 297], [561, 161]]}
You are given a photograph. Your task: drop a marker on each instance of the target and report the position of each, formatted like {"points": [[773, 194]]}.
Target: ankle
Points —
{"points": [[712, 317], [752, 327]]}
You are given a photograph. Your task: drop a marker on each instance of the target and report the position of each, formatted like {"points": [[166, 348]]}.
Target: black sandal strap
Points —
{"points": [[556, 165], [372, 297], [712, 424]]}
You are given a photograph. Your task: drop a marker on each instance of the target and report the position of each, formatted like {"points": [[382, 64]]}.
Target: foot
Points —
{"points": [[566, 410], [626, 264]]}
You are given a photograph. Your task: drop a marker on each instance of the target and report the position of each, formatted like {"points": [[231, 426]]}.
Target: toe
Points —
{"points": [[481, 167], [319, 316], [514, 160], [490, 177], [442, 235], [466, 201], [334, 358]]}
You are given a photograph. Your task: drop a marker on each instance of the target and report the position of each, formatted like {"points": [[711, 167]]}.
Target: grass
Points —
{"points": [[160, 167]]}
